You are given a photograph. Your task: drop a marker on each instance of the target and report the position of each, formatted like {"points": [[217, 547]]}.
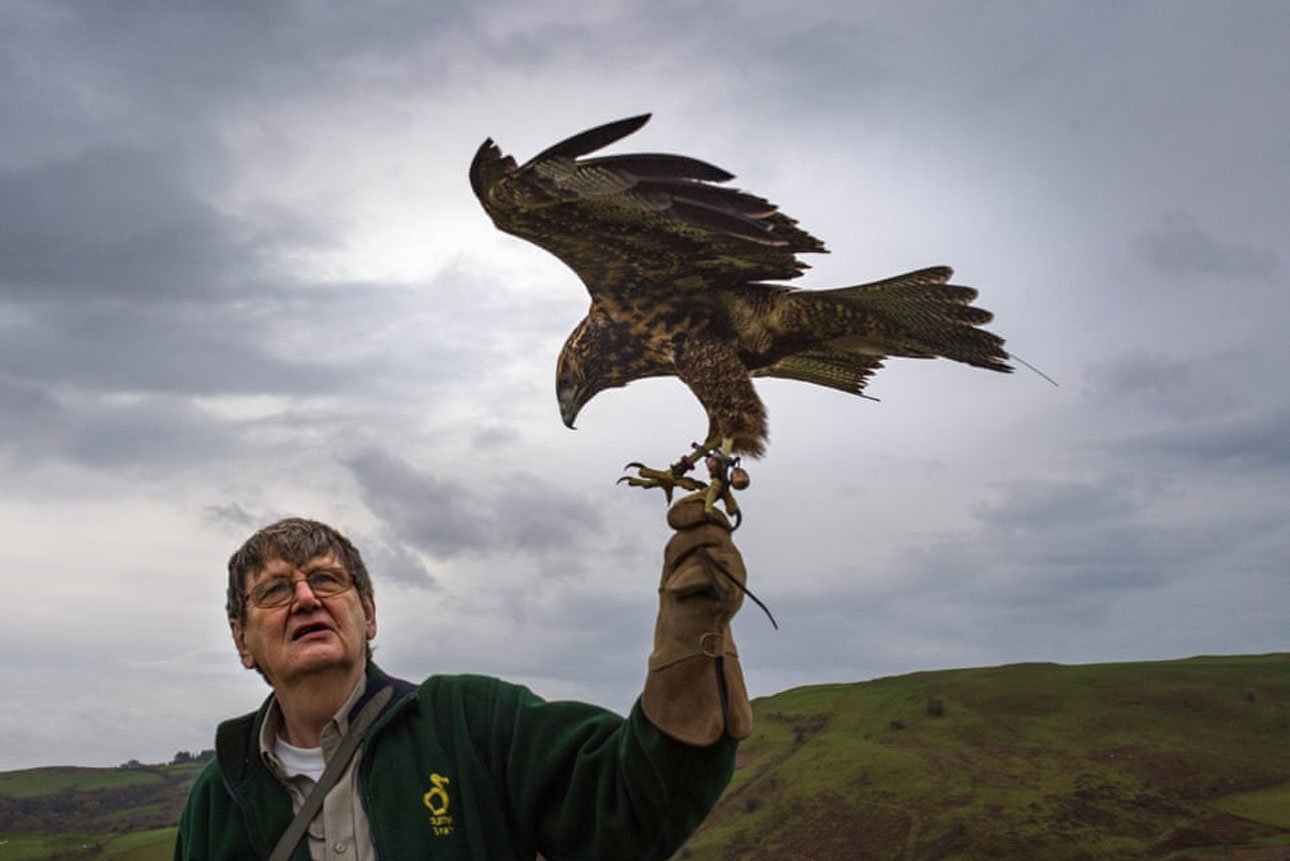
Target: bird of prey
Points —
{"points": [[680, 270]]}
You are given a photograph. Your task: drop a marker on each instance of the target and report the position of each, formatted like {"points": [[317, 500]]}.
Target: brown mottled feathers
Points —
{"points": [[676, 265], [637, 222]]}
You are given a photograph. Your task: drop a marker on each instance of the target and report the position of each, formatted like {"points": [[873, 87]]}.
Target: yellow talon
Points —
{"points": [[724, 472], [668, 480]]}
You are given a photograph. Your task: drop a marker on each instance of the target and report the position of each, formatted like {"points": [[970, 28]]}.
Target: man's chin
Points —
{"points": [[318, 656]]}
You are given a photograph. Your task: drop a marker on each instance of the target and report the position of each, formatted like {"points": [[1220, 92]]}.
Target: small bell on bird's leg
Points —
{"points": [[726, 476]]}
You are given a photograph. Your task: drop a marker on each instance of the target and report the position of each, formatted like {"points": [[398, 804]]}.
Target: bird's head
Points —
{"points": [[587, 364], [600, 354], [574, 383]]}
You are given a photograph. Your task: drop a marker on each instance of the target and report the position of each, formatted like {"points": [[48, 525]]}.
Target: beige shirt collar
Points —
{"points": [[332, 734]]}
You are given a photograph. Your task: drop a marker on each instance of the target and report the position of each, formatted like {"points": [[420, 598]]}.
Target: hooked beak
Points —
{"points": [[569, 408]]}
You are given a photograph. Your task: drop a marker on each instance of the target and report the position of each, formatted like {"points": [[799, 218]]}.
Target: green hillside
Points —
{"points": [[126, 814], [156, 844], [1181, 759], [1176, 760]]}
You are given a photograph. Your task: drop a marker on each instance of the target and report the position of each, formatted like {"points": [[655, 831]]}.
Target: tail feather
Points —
{"points": [[921, 315]]}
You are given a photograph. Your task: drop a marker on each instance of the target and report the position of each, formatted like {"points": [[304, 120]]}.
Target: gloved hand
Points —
{"points": [[695, 688]]}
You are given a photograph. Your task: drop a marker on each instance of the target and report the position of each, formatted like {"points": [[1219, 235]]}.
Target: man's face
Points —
{"points": [[309, 634]]}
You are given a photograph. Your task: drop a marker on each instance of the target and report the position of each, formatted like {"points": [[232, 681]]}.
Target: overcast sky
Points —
{"points": [[242, 276]]}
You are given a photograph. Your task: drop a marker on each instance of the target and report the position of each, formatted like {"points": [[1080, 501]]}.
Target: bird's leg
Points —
{"points": [[726, 475]]}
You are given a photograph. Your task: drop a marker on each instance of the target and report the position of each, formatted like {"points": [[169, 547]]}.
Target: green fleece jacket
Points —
{"points": [[469, 767]]}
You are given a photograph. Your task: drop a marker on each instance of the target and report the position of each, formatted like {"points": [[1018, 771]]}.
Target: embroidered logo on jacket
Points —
{"points": [[437, 802]]}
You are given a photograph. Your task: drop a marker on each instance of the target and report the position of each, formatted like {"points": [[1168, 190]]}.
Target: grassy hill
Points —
{"points": [[111, 813], [1177, 760], [1182, 759], [153, 844]]}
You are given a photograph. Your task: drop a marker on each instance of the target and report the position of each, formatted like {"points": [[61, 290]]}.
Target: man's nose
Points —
{"points": [[305, 596]]}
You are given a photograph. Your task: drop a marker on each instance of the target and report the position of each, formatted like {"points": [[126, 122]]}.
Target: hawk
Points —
{"points": [[680, 269]]}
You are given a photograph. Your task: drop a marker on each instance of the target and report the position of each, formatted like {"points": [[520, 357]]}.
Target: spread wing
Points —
{"points": [[638, 223]]}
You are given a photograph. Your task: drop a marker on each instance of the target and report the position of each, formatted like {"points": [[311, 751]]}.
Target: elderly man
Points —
{"points": [[343, 762]]}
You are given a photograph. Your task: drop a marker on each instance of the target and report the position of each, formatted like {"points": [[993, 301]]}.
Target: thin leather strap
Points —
{"points": [[335, 768]]}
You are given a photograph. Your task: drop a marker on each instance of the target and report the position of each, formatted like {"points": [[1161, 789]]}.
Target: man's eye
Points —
{"points": [[275, 588], [325, 580]]}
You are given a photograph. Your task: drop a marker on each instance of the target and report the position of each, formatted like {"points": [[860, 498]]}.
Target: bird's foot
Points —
{"points": [[724, 473], [668, 479]]}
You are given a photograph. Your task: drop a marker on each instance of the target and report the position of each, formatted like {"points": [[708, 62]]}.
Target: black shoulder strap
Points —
{"points": [[335, 768]]}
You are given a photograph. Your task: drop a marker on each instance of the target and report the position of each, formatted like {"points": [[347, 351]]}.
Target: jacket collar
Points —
{"points": [[264, 802], [237, 739]]}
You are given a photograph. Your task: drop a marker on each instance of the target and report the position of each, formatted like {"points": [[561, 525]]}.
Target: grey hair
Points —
{"points": [[294, 540]]}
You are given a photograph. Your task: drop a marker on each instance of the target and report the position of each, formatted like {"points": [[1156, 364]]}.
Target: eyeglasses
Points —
{"points": [[281, 591]]}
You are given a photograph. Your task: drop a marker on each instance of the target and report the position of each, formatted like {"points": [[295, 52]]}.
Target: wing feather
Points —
{"points": [[663, 165], [847, 372], [642, 222], [592, 139]]}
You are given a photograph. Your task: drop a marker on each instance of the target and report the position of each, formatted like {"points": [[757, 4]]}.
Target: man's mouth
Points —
{"points": [[305, 630]]}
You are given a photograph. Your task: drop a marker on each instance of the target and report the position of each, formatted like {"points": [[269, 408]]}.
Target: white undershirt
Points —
{"points": [[299, 760]]}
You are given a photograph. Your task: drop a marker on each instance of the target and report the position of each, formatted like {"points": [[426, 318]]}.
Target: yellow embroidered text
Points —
{"points": [[437, 801]]}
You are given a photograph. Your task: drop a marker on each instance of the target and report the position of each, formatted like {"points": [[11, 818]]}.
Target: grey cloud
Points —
{"points": [[620, 636], [1036, 504], [116, 276], [1251, 442], [108, 347], [445, 518], [113, 223], [152, 434], [1179, 246], [495, 437], [842, 58], [116, 279], [1073, 569], [442, 518], [1116, 533], [539, 517], [1178, 387], [27, 414], [1061, 562], [394, 563], [220, 56], [108, 385], [1044, 542], [149, 433], [232, 514], [839, 57]]}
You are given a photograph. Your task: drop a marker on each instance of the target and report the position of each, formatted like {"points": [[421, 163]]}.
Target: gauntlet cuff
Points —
{"points": [[695, 691]]}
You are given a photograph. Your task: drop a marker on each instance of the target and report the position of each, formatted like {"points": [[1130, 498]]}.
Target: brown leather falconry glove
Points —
{"points": [[695, 688]]}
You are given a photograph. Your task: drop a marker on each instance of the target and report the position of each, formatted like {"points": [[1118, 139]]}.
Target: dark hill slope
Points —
{"points": [[92, 800], [1175, 759]]}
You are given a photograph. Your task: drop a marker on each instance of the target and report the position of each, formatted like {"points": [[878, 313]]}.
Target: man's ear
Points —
{"points": [[369, 612], [239, 640]]}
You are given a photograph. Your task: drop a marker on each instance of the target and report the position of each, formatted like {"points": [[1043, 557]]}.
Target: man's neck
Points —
{"points": [[308, 703]]}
